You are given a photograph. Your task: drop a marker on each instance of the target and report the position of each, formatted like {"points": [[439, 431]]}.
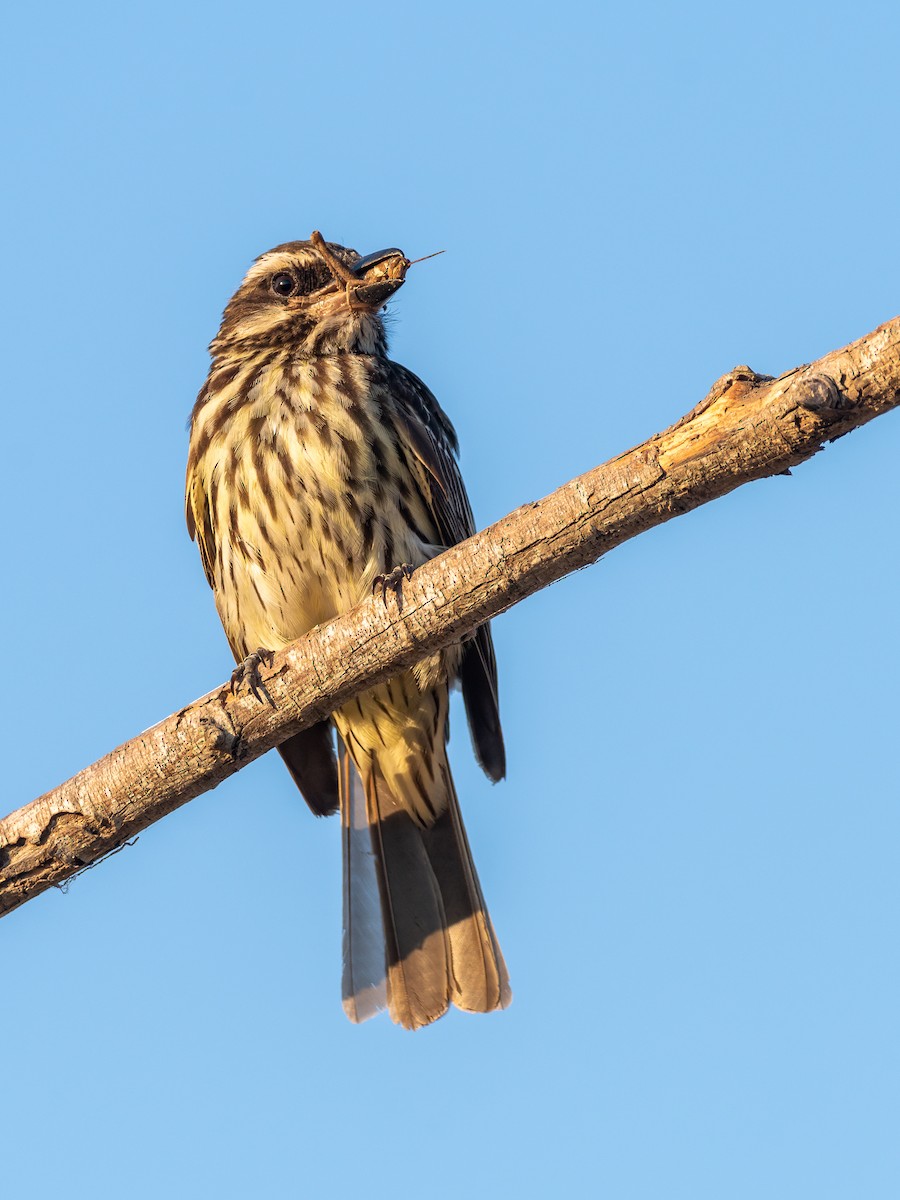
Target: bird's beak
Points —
{"points": [[380, 275]]}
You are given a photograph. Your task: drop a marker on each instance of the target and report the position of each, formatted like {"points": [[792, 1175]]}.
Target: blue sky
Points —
{"points": [[692, 866]]}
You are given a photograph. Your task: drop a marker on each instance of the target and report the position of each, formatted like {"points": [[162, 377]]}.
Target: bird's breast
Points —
{"points": [[309, 494]]}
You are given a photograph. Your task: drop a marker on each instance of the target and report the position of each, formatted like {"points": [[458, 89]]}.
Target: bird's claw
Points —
{"points": [[393, 581], [247, 673]]}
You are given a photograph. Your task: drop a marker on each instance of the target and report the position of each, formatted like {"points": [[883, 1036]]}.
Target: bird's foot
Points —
{"points": [[393, 581], [247, 673]]}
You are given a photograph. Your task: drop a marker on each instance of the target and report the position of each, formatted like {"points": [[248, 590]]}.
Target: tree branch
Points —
{"points": [[748, 427]]}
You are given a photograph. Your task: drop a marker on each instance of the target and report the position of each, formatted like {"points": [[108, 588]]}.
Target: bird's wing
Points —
{"points": [[199, 522], [425, 429]]}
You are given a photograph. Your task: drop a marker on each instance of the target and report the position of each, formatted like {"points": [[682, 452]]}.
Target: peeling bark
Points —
{"points": [[748, 427]]}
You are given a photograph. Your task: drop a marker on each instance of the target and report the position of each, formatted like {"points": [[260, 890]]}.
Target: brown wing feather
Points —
{"points": [[309, 756], [199, 524], [478, 678], [427, 430]]}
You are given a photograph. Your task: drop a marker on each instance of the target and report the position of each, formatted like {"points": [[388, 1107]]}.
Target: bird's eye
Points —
{"points": [[284, 284]]}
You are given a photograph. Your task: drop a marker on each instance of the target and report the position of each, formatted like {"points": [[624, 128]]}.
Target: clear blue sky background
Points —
{"points": [[693, 864]]}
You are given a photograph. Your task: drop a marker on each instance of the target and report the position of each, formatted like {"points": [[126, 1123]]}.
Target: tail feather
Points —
{"points": [[364, 983], [480, 978], [421, 938], [418, 952]]}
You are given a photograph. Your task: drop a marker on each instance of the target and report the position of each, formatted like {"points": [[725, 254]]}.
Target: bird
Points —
{"points": [[319, 471]]}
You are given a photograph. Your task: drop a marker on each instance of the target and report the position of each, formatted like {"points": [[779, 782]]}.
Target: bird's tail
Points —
{"points": [[417, 935]]}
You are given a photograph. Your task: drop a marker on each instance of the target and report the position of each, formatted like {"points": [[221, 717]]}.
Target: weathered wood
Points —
{"points": [[748, 427]]}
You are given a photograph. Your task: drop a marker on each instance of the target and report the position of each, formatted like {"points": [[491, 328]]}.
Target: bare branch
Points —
{"points": [[748, 427]]}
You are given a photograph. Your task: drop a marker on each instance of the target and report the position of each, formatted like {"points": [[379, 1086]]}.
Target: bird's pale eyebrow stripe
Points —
{"points": [[280, 261]]}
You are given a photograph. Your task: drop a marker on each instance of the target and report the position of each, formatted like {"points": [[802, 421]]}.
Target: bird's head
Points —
{"points": [[316, 296]]}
